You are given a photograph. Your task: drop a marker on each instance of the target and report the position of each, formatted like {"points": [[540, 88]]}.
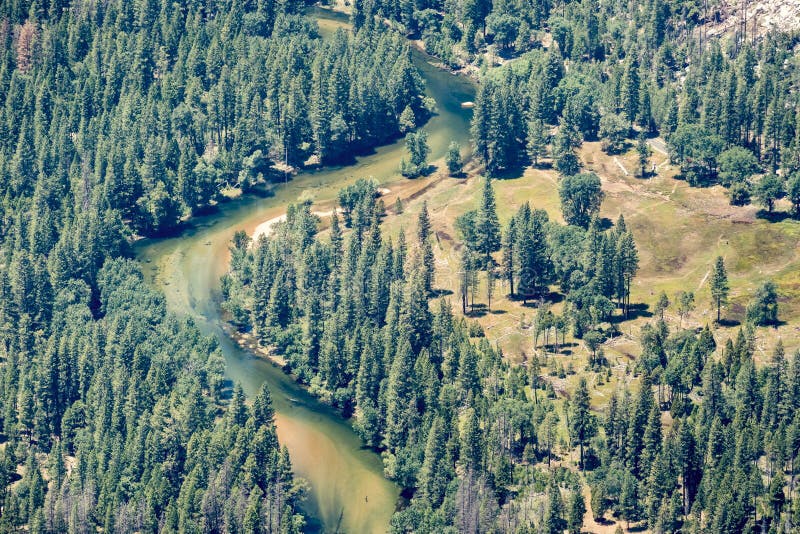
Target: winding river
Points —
{"points": [[348, 492]]}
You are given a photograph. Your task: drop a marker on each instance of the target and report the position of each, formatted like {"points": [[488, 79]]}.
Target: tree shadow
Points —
{"points": [[261, 191], [635, 311], [773, 217], [729, 323], [623, 148], [509, 174], [422, 173], [478, 310], [227, 390], [442, 292], [507, 53], [605, 522], [533, 300], [428, 170], [606, 223], [564, 349], [205, 210]]}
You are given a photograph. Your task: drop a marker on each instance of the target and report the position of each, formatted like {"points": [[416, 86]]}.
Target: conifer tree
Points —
{"points": [[554, 522], [629, 502], [537, 141], [583, 424], [453, 159], [487, 225], [719, 285], [643, 152], [566, 161], [426, 247], [434, 474], [509, 252], [577, 509]]}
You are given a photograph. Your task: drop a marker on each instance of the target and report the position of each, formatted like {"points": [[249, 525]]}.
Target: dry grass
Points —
{"points": [[679, 232]]}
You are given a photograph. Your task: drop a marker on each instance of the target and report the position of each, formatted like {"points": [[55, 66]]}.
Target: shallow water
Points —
{"points": [[347, 490]]}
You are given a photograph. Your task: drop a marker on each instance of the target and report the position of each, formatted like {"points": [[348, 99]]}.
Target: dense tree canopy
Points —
{"points": [[156, 110]]}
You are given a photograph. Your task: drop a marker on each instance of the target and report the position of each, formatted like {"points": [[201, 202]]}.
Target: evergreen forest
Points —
{"points": [[582, 318]]}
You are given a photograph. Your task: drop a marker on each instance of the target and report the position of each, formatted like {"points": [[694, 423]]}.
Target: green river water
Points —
{"points": [[348, 492]]}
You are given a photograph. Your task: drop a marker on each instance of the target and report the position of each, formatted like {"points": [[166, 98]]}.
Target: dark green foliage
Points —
{"points": [[418, 150], [581, 196], [537, 140], [418, 382], [643, 151], [453, 159], [703, 472], [583, 425], [613, 132], [487, 225], [763, 308], [726, 112], [719, 285], [566, 161], [156, 116], [793, 193], [120, 120], [737, 165], [554, 521], [768, 190], [576, 511], [739, 194], [146, 388]]}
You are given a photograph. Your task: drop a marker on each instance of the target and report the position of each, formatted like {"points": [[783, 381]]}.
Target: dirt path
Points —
{"points": [[621, 166]]}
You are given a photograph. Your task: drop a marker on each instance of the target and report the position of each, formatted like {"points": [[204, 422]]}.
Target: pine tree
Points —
{"points": [[628, 262], [434, 475], [509, 253], [662, 304], [471, 449], [466, 274], [630, 90], [487, 225], [583, 425], [719, 285], [554, 522], [638, 425], [685, 300], [398, 394], [643, 151], [566, 161], [577, 509], [490, 279], [537, 140], [426, 247], [453, 159], [629, 502]]}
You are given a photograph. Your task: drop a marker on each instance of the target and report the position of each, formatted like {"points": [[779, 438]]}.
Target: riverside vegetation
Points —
{"points": [[123, 119]]}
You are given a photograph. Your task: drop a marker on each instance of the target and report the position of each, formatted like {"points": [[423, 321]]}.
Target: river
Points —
{"points": [[348, 492]]}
